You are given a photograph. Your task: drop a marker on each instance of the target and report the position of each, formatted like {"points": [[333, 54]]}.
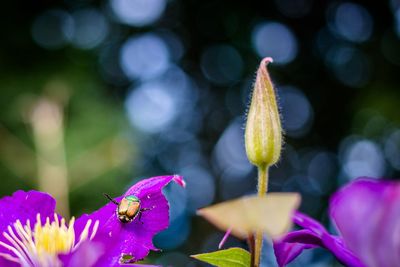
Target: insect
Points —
{"points": [[128, 209]]}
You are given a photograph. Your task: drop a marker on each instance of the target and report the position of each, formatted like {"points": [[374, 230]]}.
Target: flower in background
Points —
{"points": [[34, 235], [367, 215]]}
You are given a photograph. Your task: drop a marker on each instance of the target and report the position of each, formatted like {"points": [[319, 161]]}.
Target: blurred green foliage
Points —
{"points": [[98, 150]]}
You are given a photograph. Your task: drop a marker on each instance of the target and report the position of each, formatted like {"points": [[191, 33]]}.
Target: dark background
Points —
{"points": [[99, 94]]}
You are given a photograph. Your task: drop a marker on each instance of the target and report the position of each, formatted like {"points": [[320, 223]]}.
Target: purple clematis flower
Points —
{"points": [[367, 215], [34, 235]]}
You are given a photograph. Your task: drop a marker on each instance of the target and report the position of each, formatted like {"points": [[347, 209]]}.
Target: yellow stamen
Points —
{"points": [[41, 245]]}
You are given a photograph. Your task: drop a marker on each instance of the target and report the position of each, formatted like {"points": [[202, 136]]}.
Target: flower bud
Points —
{"points": [[263, 136]]}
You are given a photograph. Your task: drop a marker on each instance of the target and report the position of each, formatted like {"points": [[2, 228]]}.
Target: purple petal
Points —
{"points": [[314, 235], [4, 262], [139, 265], [135, 238], [224, 238], [87, 255], [367, 215], [309, 223], [23, 206], [292, 244]]}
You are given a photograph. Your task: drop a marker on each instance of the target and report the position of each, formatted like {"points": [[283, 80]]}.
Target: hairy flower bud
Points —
{"points": [[263, 136]]}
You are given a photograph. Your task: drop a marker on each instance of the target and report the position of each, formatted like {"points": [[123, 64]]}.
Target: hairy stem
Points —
{"points": [[262, 180], [262, 190]]}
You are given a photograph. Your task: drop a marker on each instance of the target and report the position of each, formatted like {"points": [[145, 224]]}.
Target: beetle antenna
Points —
{"points": [[111, 199]]}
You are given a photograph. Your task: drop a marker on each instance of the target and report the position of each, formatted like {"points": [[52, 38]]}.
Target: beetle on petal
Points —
{"points": [[35, 236], [128, 209]]}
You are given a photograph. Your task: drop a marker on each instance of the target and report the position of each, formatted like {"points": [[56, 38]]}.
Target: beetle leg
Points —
{"points": [[111, 199], [140, 217], [140, 213], [145, 209]]}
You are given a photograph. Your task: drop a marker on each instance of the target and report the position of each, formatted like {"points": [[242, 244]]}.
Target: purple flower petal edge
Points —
{"points": [[133, 238], [286, 249], [313, 235], [366, 212], [87, 254], [23, 206]]}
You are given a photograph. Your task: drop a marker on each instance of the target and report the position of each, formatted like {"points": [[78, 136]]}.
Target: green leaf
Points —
{"points": [[231, 257]]}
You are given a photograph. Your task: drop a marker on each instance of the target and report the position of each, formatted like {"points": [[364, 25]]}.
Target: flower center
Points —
{"points": [[41, 245]]}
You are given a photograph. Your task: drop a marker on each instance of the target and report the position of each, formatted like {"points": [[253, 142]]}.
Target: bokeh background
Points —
{"points": [[96, 95]]}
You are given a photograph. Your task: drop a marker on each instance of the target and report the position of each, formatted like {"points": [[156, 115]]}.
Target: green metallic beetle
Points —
{"points": [[128, 209]]}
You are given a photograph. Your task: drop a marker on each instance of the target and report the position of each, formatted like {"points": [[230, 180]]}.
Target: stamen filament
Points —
{"points": [[17, 247], [94, 230], [20, 245], [21, 257], [9, 257], [24, 234], [40, 245], [84, 233]]}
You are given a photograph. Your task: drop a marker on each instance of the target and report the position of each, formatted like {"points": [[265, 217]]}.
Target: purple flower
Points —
{"points": [[34, 235], [367, 215]]}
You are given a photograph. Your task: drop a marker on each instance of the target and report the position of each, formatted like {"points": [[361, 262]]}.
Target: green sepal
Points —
{"points": [[231, 257]]}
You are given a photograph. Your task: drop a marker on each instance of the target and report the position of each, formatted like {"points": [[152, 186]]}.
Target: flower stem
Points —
{"points": [[251, 243], [262, 180], [262, 190]]}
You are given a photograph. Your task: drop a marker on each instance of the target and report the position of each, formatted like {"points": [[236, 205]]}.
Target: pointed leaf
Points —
{"points": [[232, 257], [270, 214]]}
